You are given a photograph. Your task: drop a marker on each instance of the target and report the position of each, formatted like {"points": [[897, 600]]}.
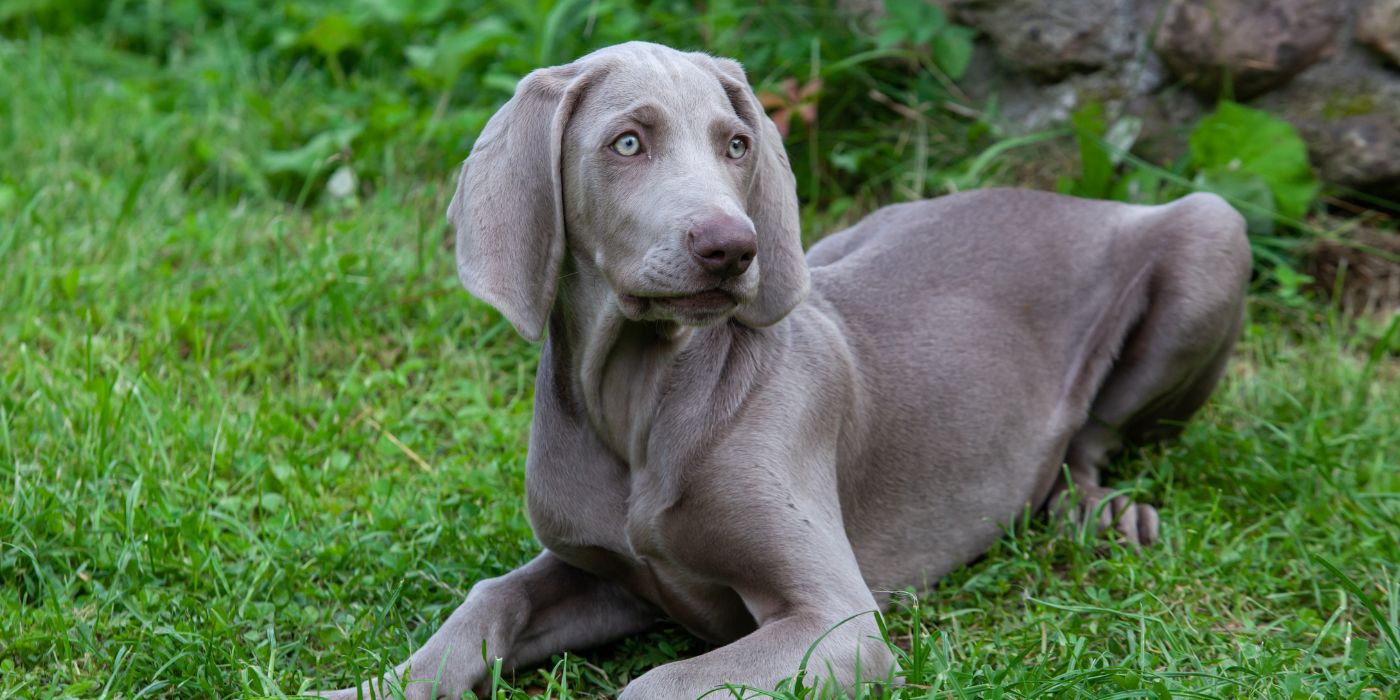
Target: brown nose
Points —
{"points": [[723, 246]]}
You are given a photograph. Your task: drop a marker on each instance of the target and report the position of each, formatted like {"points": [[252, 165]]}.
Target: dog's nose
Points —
{"points": [[723, 246]]}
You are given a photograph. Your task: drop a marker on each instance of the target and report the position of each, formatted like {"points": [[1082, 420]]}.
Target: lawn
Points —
{"points": [[255, 439]]}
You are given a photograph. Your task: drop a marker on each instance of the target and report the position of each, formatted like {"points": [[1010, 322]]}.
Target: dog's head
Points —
{"points": [[656, 167]]}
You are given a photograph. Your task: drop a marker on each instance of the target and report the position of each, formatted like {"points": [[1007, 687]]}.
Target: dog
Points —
{"points": [[759, 445]]}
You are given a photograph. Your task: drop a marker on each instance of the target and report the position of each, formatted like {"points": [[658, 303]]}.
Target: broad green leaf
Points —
{"points": [[890, 37], [914, 21], [1243, 140], [916, 16], [408, 11], [845, 160], [20, 8], [332, 34], [440, 64], [952, 50]]}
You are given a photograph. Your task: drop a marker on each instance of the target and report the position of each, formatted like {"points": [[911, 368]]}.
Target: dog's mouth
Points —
{"points": [[709, 302]]}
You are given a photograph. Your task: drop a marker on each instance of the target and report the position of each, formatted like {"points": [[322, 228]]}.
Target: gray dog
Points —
{"points": [[759, 446]]}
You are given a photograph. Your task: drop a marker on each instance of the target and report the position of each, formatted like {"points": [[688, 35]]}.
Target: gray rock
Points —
{"points": [[1167, 120], [1360, 152], [1163, 61], [1024, 104], [1254, 44], [1052, 40], [1378, 26], [1347, 109]]}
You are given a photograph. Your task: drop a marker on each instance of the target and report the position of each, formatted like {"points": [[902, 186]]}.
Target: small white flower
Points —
{"points": [[342, 183]]}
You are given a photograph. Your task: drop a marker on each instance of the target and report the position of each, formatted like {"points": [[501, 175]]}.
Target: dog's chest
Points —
{"points": [[604, 485], [691, 595], [622, 529]]}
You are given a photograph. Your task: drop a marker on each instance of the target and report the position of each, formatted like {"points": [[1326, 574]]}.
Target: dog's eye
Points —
{"points": [[627, 144], [738, 147]]}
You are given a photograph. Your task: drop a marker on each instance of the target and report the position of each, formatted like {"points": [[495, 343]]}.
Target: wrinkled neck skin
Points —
{"points": [[616, 370]]}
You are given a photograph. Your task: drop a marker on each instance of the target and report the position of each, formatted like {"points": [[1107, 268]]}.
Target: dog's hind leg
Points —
{"points": [[1116, 422], [1169, 362]]}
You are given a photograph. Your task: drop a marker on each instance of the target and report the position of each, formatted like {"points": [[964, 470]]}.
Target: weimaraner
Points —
{"points": [[760, 446]]}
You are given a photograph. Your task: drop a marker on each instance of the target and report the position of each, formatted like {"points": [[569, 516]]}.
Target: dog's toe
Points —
{"points": [[1136, 522], [1149, 525], [1125, 518]]}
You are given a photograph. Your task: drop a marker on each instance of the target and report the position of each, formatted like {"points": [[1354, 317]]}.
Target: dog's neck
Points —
{"points": [[616, 370]]}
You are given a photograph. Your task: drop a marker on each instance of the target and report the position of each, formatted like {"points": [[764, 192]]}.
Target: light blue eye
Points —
{"points": [[738, 147], [627, 145]]}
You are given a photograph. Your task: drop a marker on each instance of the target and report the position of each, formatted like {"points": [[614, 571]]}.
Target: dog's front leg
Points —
{"points": [[523, 617], [791, 563], [850, 651]]}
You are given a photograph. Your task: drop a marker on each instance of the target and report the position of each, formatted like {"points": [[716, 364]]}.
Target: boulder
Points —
{"points": [[1378, 26], [1360, 152], [1347, 109], [1255, 45], [1052, 40]]}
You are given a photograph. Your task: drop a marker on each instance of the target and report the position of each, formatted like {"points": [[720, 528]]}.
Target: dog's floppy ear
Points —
{"points": [[783, 280], [508, 210]]}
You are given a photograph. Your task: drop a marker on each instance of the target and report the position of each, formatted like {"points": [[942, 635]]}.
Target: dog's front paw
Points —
{"points": [[394, 685], [428, 676], [395, 688], [659, 683]]}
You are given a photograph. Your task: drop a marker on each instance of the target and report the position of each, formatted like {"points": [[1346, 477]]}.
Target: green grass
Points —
{"points": [[250, 446]]}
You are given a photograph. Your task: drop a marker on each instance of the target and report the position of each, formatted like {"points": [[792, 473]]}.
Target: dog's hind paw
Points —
{"points": [[1137, 523]]}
